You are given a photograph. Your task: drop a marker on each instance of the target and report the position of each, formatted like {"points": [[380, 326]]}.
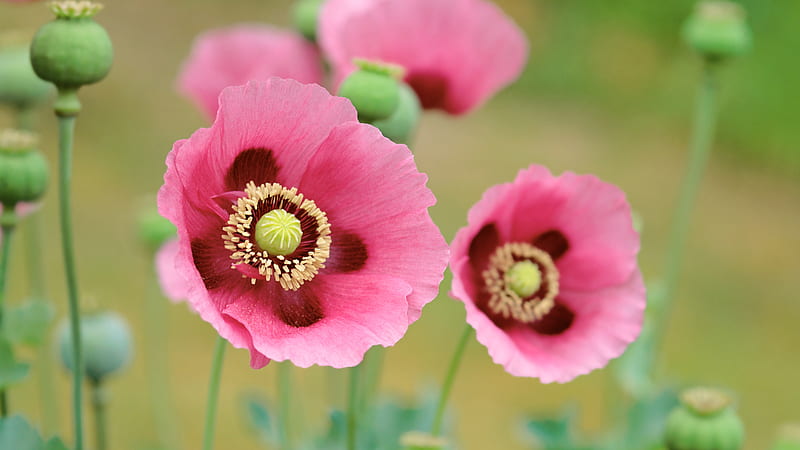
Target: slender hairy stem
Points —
{"points": [[66, 132], [284, 406], [699, 151], [448, 380], [213, 393], [157, 367], [8, 232], [352, 408], [99, 402]]}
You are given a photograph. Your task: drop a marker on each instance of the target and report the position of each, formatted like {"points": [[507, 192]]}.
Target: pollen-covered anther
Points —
{"points": [[290, 245], [522, 281]]}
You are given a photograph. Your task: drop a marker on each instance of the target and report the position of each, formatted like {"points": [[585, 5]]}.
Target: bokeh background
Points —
{"points": [[608, 90]]}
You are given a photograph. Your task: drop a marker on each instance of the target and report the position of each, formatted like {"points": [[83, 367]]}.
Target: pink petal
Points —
{"points": [[355, 177], [360, 311], [457, 53], [172, 285], [234, 55]]}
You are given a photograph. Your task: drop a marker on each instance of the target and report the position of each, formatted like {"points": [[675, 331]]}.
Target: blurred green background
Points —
{"points": [[608, 90]]}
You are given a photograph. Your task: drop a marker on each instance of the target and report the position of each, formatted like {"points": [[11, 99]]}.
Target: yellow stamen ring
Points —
{"points": [[505, 294], [240, 236]]}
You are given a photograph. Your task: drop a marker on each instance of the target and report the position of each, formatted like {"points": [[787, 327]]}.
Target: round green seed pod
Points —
{"points": [[400, 126], [106, 341], [704, 421], [718, 29], [20, 87], [306, 14], [72, 50], [374, 90], [23, 169]]}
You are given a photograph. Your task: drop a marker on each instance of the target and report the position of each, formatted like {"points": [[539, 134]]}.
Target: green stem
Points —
{"points": [[699, 151], [284, 405], [157, 367], [213, 393], [66, 132], [448, 380], [25, 118], [8, 232], [99, 403], [352, 408], [373, 366], [33, 238]]}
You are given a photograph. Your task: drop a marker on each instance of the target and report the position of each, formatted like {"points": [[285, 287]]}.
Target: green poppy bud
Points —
{"points": [[154, 229], [704, 421], [374, 90], [306, 14], [20, 87], [23, 169], [73, 50], [717, 29], [400, 126], [106, 341]]}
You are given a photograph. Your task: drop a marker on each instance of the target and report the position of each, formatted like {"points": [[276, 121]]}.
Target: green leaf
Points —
{"points": [[28, 323], [17, 434], [260, 418], [11, 371], [553, 433], [55, 444]]}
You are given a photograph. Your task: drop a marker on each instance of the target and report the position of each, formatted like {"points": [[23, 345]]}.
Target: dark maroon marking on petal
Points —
{"points": [[482, 302], [299, 309], [348, 253], [212, 270], [482, 247], [553, 242], [557, 321], [431, 89], [256, 164]]}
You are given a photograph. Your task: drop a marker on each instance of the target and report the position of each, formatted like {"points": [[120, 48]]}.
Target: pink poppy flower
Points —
{"points": [[235, 55], [457, 53], [172, 284], [547, 271], [353, 254]]}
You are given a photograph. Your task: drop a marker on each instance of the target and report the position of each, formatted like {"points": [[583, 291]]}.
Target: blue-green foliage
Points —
{"points": [[16, 433]]}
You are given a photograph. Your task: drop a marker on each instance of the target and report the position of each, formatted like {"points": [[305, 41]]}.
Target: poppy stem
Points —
{"points": [[699, 151], [99, 402], [66, 132], [8, 231], [352, 408], [447, 386], [213, 393], [284, 406]]}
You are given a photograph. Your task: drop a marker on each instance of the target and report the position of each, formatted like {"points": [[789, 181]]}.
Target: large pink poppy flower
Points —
{"points": [[457, 53], [547, 271], [235, 55], [367, 259]]}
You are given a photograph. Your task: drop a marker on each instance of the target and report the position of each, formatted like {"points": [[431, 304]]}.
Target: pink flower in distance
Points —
{"points": [[238, 54], [587, 303], [369, 258], [172, 284], [457, 53]]}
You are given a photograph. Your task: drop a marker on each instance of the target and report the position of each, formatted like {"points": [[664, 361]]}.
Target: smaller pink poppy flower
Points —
{"points": [[172, 284], [547, 271], [457, 53], [303, 235], [235, 55]]}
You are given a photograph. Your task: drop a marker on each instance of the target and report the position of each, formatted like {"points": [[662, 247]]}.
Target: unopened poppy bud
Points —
{"points": [[306, 14], [374, 90], [20, 88], [417, 440], [73, 50], [106, 341], [718, 29], [154, 229], [23, 169], [399, 127], [704, 421], [788, 438]]}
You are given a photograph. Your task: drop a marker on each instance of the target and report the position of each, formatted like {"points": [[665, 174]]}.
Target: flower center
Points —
{"points": [[278, 232], [522, 281], [290, 241]]}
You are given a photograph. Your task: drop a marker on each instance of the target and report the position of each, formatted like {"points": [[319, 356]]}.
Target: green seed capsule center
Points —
{"points": [[524, 278], [278, 232]]}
